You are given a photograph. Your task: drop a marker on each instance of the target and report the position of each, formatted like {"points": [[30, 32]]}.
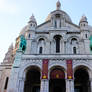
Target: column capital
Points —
{"points": [[44, 79], [69, 79], [21, 78]]}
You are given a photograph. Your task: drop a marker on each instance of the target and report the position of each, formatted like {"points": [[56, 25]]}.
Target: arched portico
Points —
{"points": [[82, 79], [57, 80], [32, 81], [26, 70]]}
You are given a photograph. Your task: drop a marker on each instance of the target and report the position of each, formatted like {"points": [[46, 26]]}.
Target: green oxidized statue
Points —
{"points": [[90, 42], [22, 45]]}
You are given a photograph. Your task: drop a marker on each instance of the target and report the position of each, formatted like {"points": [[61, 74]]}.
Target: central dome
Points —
{"points": [[60, 12]]}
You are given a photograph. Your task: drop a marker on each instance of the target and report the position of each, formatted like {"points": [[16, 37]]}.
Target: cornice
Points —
{"points": [[57, 57]]}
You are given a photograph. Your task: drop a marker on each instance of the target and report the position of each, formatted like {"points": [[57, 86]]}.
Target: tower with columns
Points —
{"points": [[55, 56]]}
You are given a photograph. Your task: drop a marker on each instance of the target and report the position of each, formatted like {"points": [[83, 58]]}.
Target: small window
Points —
{"points": [[29, 36], [40, 50], [86, 35], [6, 83], [57, 45], [57, 15], [74, 40], [84, 25], [31, 24], [74, 50], [57, 39]]}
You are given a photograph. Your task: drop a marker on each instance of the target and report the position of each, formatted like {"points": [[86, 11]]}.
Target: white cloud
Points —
{"points": [[8, 7]]}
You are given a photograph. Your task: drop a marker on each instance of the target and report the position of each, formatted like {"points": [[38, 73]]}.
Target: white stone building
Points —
{"points": [[57, 57]]}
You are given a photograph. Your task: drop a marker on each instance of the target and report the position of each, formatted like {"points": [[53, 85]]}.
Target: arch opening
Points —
{"points": [[32, 82], [81, 81], [57, 81]]}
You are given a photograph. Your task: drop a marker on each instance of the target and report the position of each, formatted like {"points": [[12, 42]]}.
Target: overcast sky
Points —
{"points": [[14, 15]]}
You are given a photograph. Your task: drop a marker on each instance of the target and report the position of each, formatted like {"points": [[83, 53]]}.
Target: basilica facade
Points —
{"points": [[55, 56]]}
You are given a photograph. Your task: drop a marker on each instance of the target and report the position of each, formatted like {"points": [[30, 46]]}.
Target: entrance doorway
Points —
{"points": [[81, 82], [57, 81], [32, 82]]}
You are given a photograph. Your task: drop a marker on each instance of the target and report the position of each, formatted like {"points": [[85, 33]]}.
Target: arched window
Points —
{"points": [[57, 15], [57, 39], [29, 36], [41, 45], [6, 83], [86, 35], [73, 41], [41, 41], [31, 24], [84, 25], [40, 50], [74, 50], [57, 45]]}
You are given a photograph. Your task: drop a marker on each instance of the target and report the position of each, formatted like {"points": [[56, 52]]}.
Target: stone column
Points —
{"points": [[69, 85], [91, 85], [44, 85], [72, 85], [63, 47], [21, 85]]}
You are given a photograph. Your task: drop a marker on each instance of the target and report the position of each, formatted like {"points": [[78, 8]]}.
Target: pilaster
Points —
{"points": [[28, 47], [91, 85], [21, 85], [69, 85], [87, 47], [44, 85]]}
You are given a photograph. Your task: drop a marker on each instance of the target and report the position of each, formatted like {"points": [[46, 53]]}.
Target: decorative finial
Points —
{"points": [[83, 18], [32, 19], [32, 23], [58, 5]]}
